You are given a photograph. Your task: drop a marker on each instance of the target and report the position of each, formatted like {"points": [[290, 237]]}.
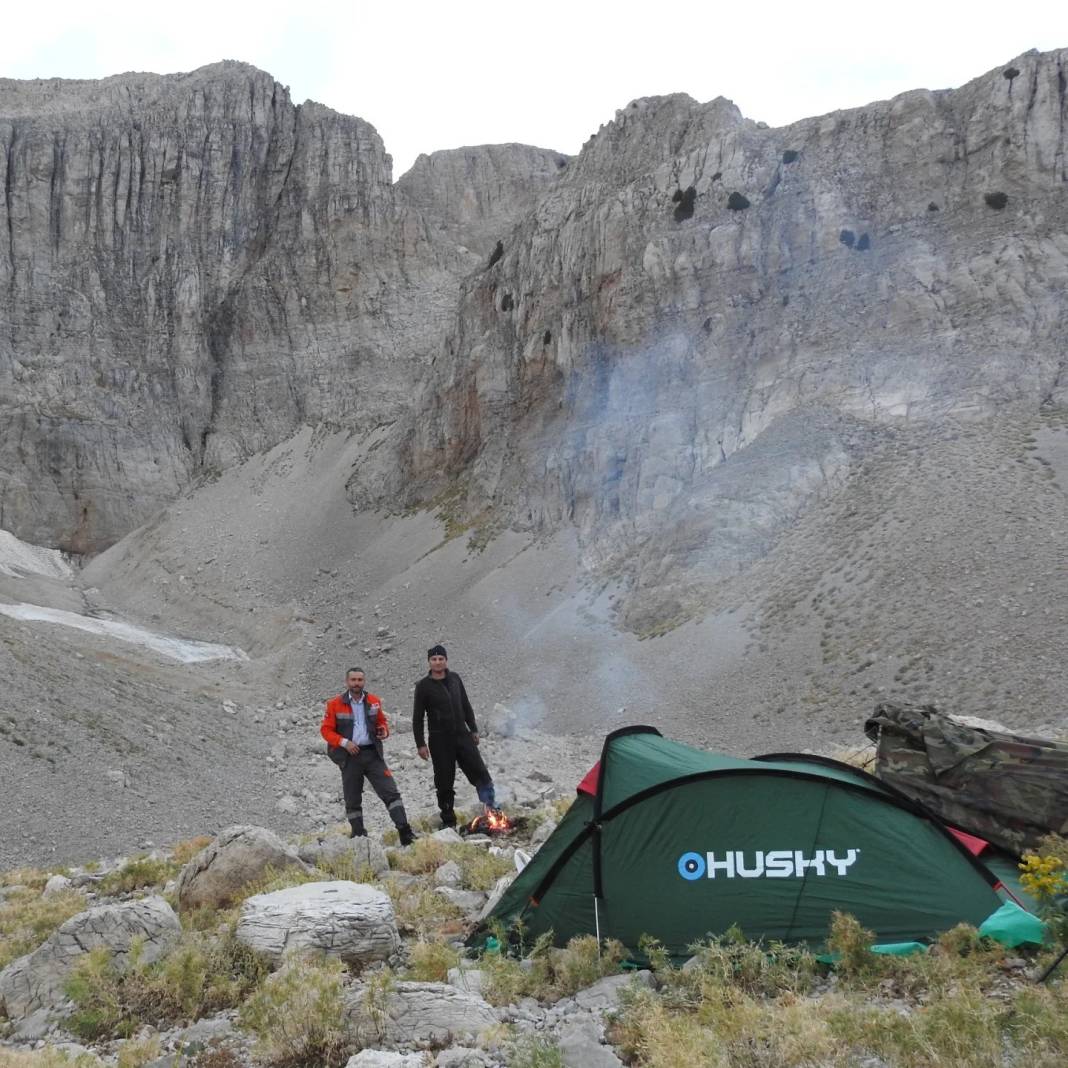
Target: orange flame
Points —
{"points": [[492, 820]]}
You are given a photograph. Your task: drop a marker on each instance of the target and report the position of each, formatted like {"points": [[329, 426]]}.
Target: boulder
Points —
{"points": [[448, 874], [604, 994], [384, 1058], [36, 981], [56, 885], [351, 921], [469, 901], [463, 1057], [420, 1014], [496, 894], [334, 849], [469, 980], [240, 855], [448, 835], [542, 832], [581, 1047]]}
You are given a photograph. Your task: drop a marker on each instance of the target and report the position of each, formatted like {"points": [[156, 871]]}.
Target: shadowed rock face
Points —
{"points": [[669, 343]]}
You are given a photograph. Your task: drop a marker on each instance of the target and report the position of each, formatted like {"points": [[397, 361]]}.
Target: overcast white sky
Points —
{"points": [[548, 73]]}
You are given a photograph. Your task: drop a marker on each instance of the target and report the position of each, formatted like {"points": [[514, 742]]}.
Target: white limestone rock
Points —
{"points": [[421, 1014], [360, 852], [351, 921], [36, 981], [238, 856], [448, 874], [56, 885]]}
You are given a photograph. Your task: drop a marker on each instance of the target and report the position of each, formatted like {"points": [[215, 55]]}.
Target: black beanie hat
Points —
{"points": [[437, 650]]}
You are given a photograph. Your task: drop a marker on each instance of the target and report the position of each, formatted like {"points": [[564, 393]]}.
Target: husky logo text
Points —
{"points": [[776, 864]]}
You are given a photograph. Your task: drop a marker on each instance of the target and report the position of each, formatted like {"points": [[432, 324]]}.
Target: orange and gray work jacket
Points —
{"points": [[338, 723]]}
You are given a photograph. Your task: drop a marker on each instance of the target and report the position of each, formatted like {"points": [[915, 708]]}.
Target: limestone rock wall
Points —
{"points": [[704, 319]]}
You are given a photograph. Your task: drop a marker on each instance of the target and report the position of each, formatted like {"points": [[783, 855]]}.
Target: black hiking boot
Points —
{"points": [[448, 818], [357, 830], [407, 835]]}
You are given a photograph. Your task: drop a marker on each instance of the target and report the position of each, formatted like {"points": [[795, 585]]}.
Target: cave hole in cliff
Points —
{"points": [[686, 200], [561, 163], [507, 304], [848, 238], [863, 243], [716, 177], [737, 202], [706, 326], [790, 156], [996, 200], [1009, 73], [496, 254], [932, 206], [546, 337]]}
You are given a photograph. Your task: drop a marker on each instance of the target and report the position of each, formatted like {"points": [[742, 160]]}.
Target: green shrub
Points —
{"points": [[137, 874], [297, 1016], [534, 1051], [852, 943], [203, 974], [550, 973], [429, 962]]}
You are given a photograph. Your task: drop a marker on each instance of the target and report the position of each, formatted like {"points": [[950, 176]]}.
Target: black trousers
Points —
{"points": [[367, 764], [448, 750]]}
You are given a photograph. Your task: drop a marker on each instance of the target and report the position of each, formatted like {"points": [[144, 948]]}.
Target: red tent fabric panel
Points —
{"points": [[589, 783], [974, 845]]}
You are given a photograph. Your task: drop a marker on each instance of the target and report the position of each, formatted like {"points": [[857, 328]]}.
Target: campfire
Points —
{"points": [[492, 822]]}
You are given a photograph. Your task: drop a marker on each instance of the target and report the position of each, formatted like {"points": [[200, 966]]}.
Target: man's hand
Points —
{"points": [[352, 747], [474, 737], [423, 752], [381, 732]]}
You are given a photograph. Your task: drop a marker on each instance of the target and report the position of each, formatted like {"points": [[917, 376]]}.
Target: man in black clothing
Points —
{"points": [[440, 697]]}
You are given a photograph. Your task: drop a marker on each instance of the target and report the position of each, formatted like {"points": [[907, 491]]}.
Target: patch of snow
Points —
{"points": [[19, 558], [188, 652]]}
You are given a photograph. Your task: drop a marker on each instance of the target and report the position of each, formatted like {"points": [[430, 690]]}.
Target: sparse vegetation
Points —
{"points": [[549, 973], [27, 918], [429, 962], [137, 874], [298, 1017], [203, 974]]}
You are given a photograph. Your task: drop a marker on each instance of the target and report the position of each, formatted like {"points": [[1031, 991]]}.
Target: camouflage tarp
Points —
{"points": [[1005, 788]]}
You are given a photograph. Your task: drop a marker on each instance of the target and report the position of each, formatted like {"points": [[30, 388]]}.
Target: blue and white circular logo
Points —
{"points": [[691, 866]]}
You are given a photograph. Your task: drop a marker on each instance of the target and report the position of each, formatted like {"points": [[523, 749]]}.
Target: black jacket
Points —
{"points": [[445, 704]]}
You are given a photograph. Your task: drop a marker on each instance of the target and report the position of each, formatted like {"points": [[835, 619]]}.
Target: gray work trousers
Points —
{"points": [[367, 764]]}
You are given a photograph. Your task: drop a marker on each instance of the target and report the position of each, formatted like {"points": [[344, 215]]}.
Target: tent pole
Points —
{"points": [[1053, 967], [597, 924]]}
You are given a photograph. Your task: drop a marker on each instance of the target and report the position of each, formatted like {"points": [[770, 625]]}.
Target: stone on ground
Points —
{"points": [[350, 921], [36, 981], [421, 1014], [239, 856], [331, 849]]}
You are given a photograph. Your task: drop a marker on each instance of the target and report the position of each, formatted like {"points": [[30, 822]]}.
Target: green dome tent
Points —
{"points": [[678, 843]]}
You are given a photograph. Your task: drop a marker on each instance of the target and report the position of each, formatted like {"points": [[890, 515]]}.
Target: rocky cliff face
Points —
{"points": [[705, 320], [475, 196], [191, 268], [669, 343]]}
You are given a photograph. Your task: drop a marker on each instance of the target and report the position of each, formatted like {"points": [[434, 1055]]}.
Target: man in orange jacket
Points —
{"points": [[354, 726]]}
